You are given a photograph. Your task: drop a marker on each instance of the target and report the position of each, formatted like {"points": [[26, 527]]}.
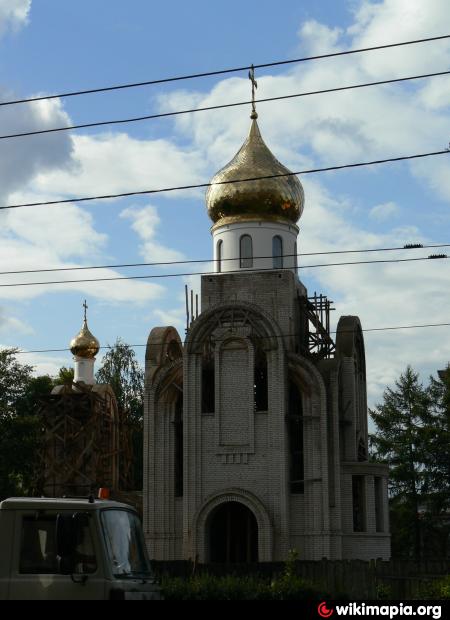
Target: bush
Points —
{"points": [[439, 589], [242, 588]]}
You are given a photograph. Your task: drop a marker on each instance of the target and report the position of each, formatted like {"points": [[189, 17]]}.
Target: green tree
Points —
{"points": [[437, 466], [20, 431], [14, 379], [65, 375], [120, 369], [437, 441], [400, 422]]}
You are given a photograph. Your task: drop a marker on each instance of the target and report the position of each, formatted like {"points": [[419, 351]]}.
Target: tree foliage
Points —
{"points": [[20, 431], [120, 369], [65, 375], [413, 436], [437, 441], [14, 379]]}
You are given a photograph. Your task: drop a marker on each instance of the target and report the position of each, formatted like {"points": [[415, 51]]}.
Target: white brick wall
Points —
{"points": [[239, 455]]}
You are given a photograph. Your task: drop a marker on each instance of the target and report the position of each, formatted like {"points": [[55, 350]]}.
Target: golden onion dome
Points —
{"points": [[85, 344], [280, 198]]}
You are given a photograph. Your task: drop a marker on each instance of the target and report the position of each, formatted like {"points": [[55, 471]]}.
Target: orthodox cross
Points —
{"points": [[85, 306], [251, 77]]}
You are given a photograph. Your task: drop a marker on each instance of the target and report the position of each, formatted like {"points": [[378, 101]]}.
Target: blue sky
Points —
{"points": [[48, 47]]}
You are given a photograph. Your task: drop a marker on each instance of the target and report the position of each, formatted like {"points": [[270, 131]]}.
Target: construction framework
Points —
{"points": [[320, 343], [87, 442]]}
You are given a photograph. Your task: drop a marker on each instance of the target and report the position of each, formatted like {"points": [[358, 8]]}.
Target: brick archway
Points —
{"points": [[202, 520]]}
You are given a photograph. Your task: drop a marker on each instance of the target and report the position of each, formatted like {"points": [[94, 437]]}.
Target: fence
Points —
{"points": [[355, 579]]}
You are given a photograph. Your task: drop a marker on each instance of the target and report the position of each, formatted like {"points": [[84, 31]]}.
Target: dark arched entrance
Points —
{"points": [[233, 534]]}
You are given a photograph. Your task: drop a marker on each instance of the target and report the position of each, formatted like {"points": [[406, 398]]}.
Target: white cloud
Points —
{"points": [[176, 318], [60, 237], [21, 159], [115, 163], [436, 93], [319, 38], [145, 222], [384, 211], [10, 325], [13, 14], [67, 229], [55, 236], [390, 21]]}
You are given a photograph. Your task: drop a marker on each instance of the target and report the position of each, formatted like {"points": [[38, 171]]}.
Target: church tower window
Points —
{"points": [[277, 252], [208, 383], [260, 381], [178, 460], [295, 433], [219, 255], [246, 251]]}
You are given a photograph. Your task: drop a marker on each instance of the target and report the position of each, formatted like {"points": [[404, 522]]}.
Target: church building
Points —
{"points": [[255, 437]]}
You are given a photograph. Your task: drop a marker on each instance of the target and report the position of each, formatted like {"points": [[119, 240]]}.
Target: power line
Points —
{"points": [[220, 72], [205, 273], [217, 107], [293, 335], [205, 185], [413, 246]]}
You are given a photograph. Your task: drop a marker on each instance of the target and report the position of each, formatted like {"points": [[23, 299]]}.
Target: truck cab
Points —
{"points": [[71, 549]]}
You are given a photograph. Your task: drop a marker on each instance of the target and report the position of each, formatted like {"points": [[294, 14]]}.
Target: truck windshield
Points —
{"points": [[125, 544]]}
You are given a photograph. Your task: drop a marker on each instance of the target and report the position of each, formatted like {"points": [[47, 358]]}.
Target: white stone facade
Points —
{"points": [[252, 444], [84, 370], [227, 246]]}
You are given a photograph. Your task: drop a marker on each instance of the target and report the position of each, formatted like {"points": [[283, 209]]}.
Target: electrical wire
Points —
{"points": [[220, 72], [217, 107], [281, 336], [205, 185], [205, 273], [408, 246]]}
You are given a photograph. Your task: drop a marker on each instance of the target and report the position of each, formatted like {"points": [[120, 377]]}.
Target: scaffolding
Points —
{"points": [[320, 343], [87, 442]]}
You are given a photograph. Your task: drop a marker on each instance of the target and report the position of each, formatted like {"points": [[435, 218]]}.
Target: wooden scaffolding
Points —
{"points": [[87, 442]]}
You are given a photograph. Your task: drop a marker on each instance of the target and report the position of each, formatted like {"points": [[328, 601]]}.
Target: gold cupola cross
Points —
{"points": [[251, 77]]}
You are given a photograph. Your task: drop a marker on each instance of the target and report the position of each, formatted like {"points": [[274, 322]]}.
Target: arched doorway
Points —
{"points": [[233, 534]]}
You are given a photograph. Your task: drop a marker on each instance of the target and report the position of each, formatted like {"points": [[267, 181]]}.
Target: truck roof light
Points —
{"points": [[103, 493]]}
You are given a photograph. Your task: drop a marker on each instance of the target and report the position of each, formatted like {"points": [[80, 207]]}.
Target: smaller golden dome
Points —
{"points": [[85, 344]]}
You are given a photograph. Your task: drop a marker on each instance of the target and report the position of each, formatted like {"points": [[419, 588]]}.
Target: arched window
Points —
{"points": [[178, 464], [295, 431], [295, 256], [277, 252], [246, 251], [219, 256]]}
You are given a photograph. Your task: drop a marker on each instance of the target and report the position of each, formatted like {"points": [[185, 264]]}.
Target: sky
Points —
{"points": [[49, 47]]}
